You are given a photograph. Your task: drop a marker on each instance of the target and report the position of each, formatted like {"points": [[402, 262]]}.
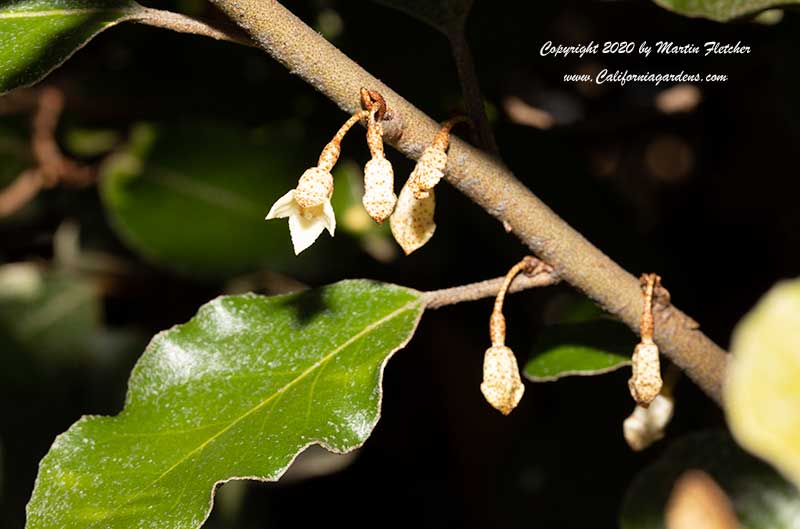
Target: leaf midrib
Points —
{"points": [[265, 401], [64, 12]]}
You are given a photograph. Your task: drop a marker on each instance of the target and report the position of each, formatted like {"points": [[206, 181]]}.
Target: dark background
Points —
{"points": [[707, 198]]}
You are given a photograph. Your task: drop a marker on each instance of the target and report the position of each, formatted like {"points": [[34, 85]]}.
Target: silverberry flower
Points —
{"points": [[308, 206]]}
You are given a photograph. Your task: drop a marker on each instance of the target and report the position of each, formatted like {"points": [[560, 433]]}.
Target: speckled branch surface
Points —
{"points": [[486, 181]]}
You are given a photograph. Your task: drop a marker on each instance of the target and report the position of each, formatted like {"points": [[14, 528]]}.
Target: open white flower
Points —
{"points": [[308, 207]]}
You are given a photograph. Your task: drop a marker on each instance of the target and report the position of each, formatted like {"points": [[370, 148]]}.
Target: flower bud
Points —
{"points": [[412, 221], [501, 386], [428, 171], [379, 198], [645, 383], [645, 426], [314, 188]]}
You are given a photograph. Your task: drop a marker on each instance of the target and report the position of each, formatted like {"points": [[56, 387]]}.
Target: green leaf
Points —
{"points": [[721, 10], [761, 497], [235, 393], [762, 389], [585, 348], [443, 15], [193, 197], [39, 35]]}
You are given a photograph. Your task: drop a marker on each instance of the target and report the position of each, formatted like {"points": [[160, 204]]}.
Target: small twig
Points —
{"points": [[53, 167], [473, 98], [21, 191], [542, 276], [185, 24]]}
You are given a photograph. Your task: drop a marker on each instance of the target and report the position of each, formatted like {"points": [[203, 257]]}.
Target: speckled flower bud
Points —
{"points": [[314, 188], [428, 171], [379, 198], [645, 383], [501, 386], [412, 221]]}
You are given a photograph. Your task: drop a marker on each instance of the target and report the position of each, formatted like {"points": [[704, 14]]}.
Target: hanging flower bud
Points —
{"points": [[412, 221], [645, 382], [308, 206], [428, 171], [430, 166], [502, 386], [379, 198]]}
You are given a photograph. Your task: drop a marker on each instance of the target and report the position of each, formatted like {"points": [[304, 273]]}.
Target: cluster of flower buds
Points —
{"points": [[412, 222], [645, 382], [308, 206], [502, 385]]}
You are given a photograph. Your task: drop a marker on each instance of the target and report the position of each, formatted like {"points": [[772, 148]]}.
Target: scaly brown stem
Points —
{"points": [[484, 180]]}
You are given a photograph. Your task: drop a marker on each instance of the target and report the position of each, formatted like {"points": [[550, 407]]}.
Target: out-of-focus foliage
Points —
{"points": [[721, 10], [52, 314], [39, 35], [237, 391], [193, 197], [585, 348], [761, 498], [14, 154], [762, 390]]}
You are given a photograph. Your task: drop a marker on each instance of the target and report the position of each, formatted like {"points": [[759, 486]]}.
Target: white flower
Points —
{"points": [[305, 224], [645, 426]]}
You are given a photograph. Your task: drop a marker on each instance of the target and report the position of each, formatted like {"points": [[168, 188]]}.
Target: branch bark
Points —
{"points": [[484, 180], [489, 288]]}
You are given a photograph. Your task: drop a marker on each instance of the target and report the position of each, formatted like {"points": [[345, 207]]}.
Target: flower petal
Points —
{"points": [[283, 207], [329, 217], [304, 231]]}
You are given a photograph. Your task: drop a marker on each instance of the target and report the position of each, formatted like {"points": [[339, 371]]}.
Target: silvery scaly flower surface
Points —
{"points": [[305, 224]]}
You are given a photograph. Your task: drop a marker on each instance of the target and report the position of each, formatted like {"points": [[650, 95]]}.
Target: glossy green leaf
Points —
{"points": [[585, 348], [444, 15], [761, 497], [39, 35], [762, 389], [237, 392], [193, 198], [721, 10]]}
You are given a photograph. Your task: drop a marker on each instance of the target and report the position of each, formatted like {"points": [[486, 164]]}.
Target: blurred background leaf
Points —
{"points": [[193, 197], [721, 10], [761, 498], [762, 390], [48, 313]]}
